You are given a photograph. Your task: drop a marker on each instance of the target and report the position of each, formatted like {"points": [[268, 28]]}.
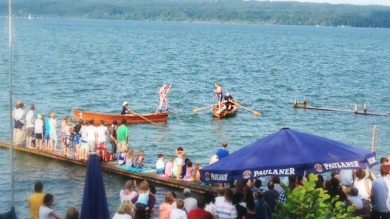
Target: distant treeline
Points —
{"points": [[234, 11]]}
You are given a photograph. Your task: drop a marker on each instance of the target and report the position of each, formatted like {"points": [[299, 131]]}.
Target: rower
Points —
{"points": [[124, 108], [229, 101], [218, 93], [163, 98]]}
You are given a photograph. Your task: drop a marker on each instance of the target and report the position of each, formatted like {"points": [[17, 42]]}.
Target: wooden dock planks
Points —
{"points": [[110, 167]]}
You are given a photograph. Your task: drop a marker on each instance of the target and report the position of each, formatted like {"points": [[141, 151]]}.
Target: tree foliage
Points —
{"points": [[309, 202], [237, 11]]}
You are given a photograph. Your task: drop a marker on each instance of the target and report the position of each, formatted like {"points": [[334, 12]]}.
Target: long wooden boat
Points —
{"points": [[224, 113], [130, 118]]}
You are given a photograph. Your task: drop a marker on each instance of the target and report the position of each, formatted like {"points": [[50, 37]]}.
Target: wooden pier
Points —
{"points": [[305, 106], [111, 167]]}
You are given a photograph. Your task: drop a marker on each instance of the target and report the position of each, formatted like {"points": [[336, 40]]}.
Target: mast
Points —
{"points": [[10, 102]]}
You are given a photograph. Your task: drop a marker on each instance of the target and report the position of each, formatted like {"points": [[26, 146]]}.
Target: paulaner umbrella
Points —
{"points": [[94, 198], [287, 153]]}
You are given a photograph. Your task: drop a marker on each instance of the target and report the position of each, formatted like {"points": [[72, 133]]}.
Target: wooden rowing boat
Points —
{"points": [[224, 113], [130, 118]]}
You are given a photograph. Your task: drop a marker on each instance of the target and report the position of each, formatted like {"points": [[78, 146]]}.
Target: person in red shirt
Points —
{"points": [[200, 213]]}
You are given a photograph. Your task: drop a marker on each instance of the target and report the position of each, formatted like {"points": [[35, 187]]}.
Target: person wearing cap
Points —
{"points": [[30, 127], [380, 195], [124, 108], [189, 202], [113, 138], [222, 152]]}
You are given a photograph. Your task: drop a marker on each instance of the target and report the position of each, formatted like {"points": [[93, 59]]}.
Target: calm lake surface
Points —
{"points": [[94, 65]]}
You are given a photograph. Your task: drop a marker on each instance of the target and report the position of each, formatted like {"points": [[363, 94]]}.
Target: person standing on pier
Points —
{"points": [[113, 138], [18, 116], [123, 137], [102, 133], [53, 132], [38, 130], [30, 126], [92, 136], [47, 133]]}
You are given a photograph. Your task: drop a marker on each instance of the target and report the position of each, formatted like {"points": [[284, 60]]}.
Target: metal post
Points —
{"points": [[10, 101]]}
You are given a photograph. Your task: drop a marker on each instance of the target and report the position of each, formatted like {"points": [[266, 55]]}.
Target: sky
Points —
{"points": [[355, 2]]}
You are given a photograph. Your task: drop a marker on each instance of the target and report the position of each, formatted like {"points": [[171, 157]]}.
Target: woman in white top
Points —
{"points": [[125, 211], [38, 130], [44, 211], [128, 194], [53, 132], [362, 184]]}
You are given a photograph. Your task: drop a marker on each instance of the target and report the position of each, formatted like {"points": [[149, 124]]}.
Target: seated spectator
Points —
{"points": [[179, 212], [196, 177], [189, 171], [139, 160], [128, 193], [130, 158], [125, 211], [199, 212], [72, 213], [160, 164], [44, 211]]}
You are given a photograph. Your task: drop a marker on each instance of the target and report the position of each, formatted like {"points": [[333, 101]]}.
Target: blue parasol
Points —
{"points": [[94, 199], [287, 153]]}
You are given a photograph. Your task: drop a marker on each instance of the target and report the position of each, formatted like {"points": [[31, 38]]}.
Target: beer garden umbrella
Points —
{"points": [[287, 153], [94, 198]]}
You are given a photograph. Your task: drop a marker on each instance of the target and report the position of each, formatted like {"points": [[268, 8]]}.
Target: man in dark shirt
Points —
{"points": [[229, 101], [222, 152], [124, 108], [270, 196]]}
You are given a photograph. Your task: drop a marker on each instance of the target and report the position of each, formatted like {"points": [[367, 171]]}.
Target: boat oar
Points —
{"points": [[254, 112], [145, 118], [162, 99], [202, 108]]}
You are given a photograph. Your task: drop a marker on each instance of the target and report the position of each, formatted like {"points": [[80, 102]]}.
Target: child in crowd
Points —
{"points": [[53, 132], [130, 158], [179, 212], [180, 153], [122, 158], [47, 132], [38, 129], [102, 133], [168, 167], [143, 197], [196, 177], [160, 164], [139, 161], [189, 171], [45, 211], [66, 127]]}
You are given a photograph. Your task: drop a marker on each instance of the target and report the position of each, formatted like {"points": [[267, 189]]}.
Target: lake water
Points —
{"points": [[94, 65]]}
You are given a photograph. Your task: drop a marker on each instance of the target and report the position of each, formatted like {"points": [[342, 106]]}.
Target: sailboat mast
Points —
{"points": [[10, 102]]}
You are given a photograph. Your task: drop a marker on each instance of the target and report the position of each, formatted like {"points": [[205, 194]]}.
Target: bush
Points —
{"points": [[313, 203]]}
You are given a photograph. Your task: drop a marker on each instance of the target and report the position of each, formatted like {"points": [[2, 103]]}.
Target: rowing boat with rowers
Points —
{"points": [[224, 112], [130, 118]]}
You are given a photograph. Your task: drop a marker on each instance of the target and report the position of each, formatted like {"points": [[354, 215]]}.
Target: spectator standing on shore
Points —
{"points": [[53, 132], [128, 193], [362, 184], [178, 212], [180, 153], [261, 207], [270, 196], [113, 138], [226, 210], [189, 202], [30, 126], [36, 200], [222, 152], [380, 195], [102, 133], [165, 209], [44, 211], [72, 213], [92, 136], [123, 137], [199, 212], [47, 133]]}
